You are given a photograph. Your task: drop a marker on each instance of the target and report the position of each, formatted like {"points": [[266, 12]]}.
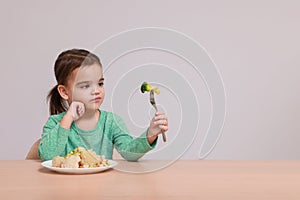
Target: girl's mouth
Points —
{"points": [[97, 99]]}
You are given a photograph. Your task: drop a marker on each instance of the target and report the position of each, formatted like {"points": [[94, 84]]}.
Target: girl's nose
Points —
{"points": [[96, 89]]}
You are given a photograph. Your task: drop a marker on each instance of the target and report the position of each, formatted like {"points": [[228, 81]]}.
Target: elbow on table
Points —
{"points": [[44, 155], [131, 157]]}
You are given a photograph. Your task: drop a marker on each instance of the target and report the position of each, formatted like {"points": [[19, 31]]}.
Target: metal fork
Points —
{"points": [[152, 101]]}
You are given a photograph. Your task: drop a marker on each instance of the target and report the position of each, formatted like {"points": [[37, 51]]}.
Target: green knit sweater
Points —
{"points": [[110, 132]]}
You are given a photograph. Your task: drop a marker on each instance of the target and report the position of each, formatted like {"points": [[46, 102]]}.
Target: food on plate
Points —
{"points": [[146, 87], [80, 158], [57, 161]]}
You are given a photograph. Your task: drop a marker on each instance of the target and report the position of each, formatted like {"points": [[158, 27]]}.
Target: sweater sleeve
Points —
{"points": [[131, 149], [53, 141]]}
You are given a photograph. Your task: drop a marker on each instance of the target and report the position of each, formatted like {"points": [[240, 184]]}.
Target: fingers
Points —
{"points": [[161, 121], [160, 115], [160, 118], [165, 128], [158, 124], [80, 110], [77, 110]]}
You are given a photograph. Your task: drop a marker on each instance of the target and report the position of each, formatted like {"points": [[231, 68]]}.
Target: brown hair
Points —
{"points": [[65, 64]]}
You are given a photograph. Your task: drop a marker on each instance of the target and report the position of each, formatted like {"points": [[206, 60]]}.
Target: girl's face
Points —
{"points": [[86, 86]]}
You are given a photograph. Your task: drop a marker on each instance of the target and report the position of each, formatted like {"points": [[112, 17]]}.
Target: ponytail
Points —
{"points": [[55, 105]]}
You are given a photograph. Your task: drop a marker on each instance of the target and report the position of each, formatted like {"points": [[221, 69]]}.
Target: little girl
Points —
{"points": [[76, 119]]}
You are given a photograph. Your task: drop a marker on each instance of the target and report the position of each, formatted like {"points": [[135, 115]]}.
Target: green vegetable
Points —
{"points": [[146, 87]]}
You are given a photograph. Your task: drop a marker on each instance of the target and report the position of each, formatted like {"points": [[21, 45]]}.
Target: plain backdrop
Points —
{"points": [[255, 45]]}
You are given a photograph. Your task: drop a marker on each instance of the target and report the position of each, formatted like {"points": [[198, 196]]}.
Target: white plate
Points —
{"points": [[48, 164]]}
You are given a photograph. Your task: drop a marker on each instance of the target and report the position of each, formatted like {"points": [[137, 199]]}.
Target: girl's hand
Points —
{"points": [[159, 122], [76, 110]]}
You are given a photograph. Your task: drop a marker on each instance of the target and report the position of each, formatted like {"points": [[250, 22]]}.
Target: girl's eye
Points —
{"points": [[84, 86], [100, 84]]}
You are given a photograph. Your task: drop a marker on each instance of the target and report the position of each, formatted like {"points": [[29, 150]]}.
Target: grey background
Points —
{"points": [[255, 45]]}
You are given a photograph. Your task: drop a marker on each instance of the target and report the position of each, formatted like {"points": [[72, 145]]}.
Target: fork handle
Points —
{"points": [[164, 135], [162, 131]]}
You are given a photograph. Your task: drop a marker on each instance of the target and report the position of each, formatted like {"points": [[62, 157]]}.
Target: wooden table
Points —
{"points": [[204, 179]]}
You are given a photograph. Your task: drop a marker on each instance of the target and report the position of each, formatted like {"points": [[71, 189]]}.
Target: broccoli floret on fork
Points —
{"points": [[146, 87]]}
